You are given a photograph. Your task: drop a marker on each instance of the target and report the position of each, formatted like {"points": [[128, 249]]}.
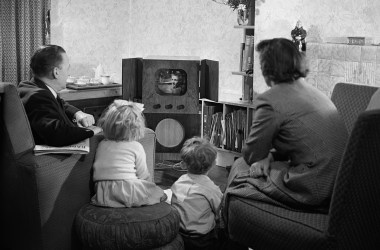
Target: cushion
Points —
{"points": [[264, 226], [144, 227]]}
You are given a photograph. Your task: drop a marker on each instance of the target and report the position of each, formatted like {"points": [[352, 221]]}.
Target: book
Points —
{"points": [[217, 129], [82, 147], [241, 56], [208, 111], [248, 53], [245, 53]]}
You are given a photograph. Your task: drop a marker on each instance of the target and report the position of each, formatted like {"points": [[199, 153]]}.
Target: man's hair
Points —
{"points": [[122, 121], [45, 58], [198, 154], [281, 61]]}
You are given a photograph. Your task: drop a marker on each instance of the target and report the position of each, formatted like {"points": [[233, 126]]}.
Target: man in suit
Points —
{"points": [[53, 121]]}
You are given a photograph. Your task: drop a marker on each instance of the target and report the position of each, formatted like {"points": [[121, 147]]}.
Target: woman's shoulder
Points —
{"points": [[268, 97]]}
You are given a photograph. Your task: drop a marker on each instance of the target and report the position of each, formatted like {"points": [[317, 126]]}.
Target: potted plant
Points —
{"points": [[239, 4], [242, 7]]}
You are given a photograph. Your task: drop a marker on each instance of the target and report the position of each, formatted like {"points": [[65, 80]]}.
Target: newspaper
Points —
{"points": [[82, 147]]}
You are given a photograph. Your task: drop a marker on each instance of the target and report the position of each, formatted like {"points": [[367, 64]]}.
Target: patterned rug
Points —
{"points": [[167, 172]]}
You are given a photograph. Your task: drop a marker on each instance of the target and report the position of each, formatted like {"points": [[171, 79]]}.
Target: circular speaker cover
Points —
{"points": [[170, 133]]}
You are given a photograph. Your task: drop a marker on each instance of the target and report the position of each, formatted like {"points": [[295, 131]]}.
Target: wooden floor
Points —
{"points": [[165, 175]]}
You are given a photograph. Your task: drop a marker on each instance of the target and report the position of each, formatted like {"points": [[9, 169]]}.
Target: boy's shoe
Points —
{"points": [[180, 167]]}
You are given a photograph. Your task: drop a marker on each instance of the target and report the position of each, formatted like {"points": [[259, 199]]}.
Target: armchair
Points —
{"points": [[353, 221], [41, 195]]}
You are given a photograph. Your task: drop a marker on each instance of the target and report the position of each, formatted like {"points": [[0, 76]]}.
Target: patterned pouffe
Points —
{"points": [[147, 227]]}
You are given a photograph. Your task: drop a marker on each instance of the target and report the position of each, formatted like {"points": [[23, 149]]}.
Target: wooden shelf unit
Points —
{"points": [[244, 27], [241, 73], [92, 101], [247, 79], [226, 155]]}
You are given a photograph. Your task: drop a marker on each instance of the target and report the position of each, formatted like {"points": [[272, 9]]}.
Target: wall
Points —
{"points": [[333, 63], [325, 21], [98, 31]]}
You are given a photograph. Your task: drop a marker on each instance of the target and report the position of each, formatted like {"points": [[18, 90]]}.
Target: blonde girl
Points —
{"points": [[120, 174]]}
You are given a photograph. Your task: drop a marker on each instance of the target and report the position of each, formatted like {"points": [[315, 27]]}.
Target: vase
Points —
{"points": [[242, 16]]}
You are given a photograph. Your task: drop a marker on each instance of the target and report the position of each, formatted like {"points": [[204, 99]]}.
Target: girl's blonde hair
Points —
{"points": [[123, 121]]}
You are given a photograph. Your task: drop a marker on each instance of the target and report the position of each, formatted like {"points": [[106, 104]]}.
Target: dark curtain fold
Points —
{"points": [[22, 29]]}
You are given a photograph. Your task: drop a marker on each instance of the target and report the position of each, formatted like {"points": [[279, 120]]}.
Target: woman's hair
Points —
{"points": [[45, 59], [123, 121], [198, 154], [281, 61]]}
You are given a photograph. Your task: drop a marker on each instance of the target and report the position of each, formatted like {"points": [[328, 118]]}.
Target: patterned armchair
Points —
{"points": [[40, 195], [353, 221]]}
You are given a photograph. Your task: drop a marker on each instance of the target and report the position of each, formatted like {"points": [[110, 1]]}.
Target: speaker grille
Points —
{"points": [[170, 133]]}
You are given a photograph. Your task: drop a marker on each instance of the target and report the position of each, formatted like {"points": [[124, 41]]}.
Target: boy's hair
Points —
{"points": [[45, 59], [122, 121], [281, 61], [198, 154]]}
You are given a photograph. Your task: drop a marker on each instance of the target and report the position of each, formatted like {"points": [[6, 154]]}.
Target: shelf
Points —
{"points": [[240, 103], [75, 95], [235, 119], [247, 27], [240, 73]]}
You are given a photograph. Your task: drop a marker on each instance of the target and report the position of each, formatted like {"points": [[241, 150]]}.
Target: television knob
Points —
{"points": [[169, 106], [156, 106]]}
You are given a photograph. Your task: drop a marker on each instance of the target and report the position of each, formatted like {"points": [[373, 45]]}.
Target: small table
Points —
{"points": [[92, 101]]}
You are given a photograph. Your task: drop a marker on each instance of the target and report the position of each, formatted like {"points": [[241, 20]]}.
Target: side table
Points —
{"points": [[91, 101]]}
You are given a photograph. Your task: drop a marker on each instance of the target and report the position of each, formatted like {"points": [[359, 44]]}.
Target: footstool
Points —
{"points": [[147, 227]]}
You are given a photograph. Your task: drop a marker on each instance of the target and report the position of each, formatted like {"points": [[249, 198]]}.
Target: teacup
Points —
{"points": [[106, 79]]}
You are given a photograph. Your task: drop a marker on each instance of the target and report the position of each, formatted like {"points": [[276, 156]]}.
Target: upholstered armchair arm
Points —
{"points": [[41, 194]]}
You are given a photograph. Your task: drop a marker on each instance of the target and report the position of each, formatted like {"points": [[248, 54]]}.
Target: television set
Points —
{"points": [[170, 89]]}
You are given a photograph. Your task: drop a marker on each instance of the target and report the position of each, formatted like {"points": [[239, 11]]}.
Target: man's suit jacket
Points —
{"points": [[50, 118]]}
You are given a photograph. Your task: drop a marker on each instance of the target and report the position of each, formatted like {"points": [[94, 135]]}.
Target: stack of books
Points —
{"points": [[217, 131], [235, 129]]}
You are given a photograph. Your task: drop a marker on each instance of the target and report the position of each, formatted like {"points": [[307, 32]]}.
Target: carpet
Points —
{"points": [[165, 174]]}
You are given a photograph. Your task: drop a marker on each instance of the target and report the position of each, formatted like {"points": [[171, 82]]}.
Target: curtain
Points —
{"points": [[23, 28]]}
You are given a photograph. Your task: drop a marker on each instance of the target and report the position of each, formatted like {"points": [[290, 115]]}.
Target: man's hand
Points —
{"points": [[96, 129], [261, 168], [84, 119]]}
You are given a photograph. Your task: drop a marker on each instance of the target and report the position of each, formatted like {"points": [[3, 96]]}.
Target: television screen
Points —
{"points": [[170, 81]]}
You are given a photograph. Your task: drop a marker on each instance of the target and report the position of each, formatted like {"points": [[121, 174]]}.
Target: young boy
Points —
{"points": [[196, 197]]}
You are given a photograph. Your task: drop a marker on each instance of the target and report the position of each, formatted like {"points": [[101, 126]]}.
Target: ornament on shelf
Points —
{"points": [[242, 14], [299, 36]]}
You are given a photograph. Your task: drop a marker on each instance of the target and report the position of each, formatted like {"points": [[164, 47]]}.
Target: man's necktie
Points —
{"points": [[60, 102]]}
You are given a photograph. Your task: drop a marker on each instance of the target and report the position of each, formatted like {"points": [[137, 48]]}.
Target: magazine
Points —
{"points": [[82, 147]]}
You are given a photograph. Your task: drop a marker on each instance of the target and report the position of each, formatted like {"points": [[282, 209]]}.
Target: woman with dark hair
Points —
{"points": [[296, 140]]}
